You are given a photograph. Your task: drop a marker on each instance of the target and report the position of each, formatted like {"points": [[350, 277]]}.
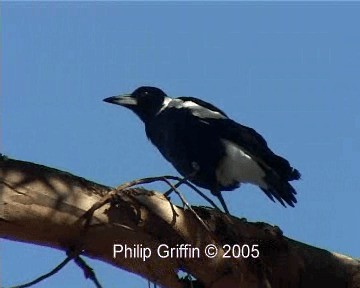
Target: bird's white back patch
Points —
{"points": [[189, 104], [200, 111], [237, 166]]}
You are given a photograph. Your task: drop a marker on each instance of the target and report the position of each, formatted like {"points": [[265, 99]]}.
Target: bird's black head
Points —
{"points": [[145, 101]]}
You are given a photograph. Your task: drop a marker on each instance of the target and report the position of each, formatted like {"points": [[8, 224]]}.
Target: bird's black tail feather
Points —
{"points": [[283, 168], [284, 193]]}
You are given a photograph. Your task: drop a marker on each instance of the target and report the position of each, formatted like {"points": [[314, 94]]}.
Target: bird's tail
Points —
{"points": [[283, 192], [283, 168], [278, 174]]}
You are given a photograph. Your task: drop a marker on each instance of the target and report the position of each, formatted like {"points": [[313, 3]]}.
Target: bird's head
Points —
{"points": [[145, 101]]}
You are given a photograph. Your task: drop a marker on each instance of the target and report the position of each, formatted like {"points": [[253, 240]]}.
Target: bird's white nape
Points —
{"points": [[238, 167], [165, 103]]}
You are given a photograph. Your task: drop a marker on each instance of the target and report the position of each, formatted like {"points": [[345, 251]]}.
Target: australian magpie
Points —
{"points": [[204, 144]]}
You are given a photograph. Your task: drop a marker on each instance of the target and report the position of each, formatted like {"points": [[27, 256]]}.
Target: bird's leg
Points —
{"points": [[196, 168], [217, 193], [185, 179]]}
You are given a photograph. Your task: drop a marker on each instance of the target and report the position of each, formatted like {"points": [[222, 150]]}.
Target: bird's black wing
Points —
{"points": [[277, 169], [211, 116], [255, 145], [245, 137], [192, 123]]}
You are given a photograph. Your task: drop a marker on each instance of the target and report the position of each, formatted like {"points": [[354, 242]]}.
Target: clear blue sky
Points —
{"points": [[291, 71]]}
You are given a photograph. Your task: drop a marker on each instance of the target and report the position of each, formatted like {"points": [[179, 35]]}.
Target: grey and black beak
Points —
{"points": [[122, 100]]}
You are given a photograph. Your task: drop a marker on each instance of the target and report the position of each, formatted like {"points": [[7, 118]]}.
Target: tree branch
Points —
{"points": [[42, 205]]}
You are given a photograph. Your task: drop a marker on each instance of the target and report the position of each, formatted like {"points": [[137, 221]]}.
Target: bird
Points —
{"points": [[206, 146]]}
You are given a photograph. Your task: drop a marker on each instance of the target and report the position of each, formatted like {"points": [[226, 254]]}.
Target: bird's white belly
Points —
{"points": [[237, 166]]}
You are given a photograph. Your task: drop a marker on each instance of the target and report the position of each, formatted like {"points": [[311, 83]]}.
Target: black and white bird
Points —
{"points": [[200, 140]]}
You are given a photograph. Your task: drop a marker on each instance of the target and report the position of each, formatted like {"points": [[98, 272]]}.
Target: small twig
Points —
{"points": [[161, 178], [89, 213], [47, 275], [193, 187], [173, 188], [181, 181], [187, 204], [108, 197], [88, 271], [168, 177]]}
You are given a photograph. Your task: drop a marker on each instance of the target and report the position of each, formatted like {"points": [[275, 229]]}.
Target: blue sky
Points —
{"points": [[289, 70]]}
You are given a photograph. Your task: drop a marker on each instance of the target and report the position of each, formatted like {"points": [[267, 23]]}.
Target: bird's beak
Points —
{"points": [[123, 100]]}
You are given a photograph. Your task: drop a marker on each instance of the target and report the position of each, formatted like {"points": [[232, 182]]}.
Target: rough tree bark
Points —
{"points": [[42, 205]]}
